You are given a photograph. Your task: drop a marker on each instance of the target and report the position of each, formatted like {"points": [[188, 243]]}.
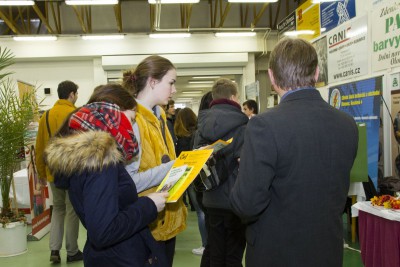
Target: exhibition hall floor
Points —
{"points": [[38, 252]]}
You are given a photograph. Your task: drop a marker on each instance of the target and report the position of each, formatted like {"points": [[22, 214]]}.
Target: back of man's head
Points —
{"points": [[293, 63], [224, 89], [65, 88]]}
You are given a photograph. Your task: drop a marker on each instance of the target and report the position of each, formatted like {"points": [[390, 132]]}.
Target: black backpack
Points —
{"points": [[214, 173]]}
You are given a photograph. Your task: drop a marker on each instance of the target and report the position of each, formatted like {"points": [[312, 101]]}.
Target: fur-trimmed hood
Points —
{"points": [[83, 151]]}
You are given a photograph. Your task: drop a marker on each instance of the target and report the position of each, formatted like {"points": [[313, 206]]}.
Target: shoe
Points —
{"points": [[77, 257], [198, 251], [55, 256]]}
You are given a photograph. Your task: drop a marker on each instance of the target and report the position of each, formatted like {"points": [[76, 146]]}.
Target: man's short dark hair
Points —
{"points": [[65, 88], [252, 105], [293, 62], [171, 102], [224, 88]]}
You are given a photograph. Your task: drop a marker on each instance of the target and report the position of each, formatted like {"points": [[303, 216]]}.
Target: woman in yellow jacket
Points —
{"points": [[153, 83]]}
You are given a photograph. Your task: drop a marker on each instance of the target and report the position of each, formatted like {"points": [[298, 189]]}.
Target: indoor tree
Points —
{"points": [[16, 113]]}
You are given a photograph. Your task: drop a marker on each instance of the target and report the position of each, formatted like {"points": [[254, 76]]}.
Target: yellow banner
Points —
{"points": [[308, 18]]}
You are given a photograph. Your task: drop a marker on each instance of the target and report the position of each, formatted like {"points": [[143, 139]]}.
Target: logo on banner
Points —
{"points": [[336, 99]]}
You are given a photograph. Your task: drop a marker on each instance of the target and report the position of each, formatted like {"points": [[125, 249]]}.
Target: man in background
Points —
{"points": [[170, 112], [294, 170], [224, 120], [250, 108], [62, 210]]}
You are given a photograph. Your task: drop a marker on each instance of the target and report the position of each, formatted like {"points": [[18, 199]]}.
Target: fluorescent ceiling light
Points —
{"points": [[201, 81], [234, 34], [192, 92], [173, 1], [17, 3], [206, 77], [184, 99], [170, 35], [35, 38], [301, 32], [322, 1], [90, 2], [252, 1], [103, 37]]}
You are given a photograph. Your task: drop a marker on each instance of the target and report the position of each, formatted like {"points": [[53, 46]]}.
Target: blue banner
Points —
{"points": [[361, 100], [335, 13]]}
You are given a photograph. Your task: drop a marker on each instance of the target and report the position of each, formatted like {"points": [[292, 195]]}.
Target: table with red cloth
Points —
{"points": [[379, 234]]}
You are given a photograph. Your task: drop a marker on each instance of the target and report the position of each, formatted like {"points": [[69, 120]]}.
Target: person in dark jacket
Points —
{"points": [[224, 120], [185, 128], [170, 112], [94, 144], [250, 108], [295, 169]]}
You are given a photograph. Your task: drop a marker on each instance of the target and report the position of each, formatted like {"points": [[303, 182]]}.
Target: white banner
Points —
{"points": [[347, 50], [385, 32]]}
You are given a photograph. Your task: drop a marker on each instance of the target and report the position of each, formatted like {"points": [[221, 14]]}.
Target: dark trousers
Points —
{"points": [[226, 239]]}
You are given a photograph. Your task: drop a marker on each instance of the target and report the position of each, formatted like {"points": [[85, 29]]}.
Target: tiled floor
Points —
{"points": [[38, 252]]}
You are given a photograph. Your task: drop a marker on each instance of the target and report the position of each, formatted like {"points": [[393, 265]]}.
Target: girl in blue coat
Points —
{"points": [[87, 158]]}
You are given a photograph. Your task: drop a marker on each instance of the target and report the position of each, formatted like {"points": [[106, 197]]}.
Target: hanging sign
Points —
{"points": [[347, 50], [385, 34], [335, 13]]}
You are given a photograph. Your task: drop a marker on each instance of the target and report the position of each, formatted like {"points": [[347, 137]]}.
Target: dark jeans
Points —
{"points": [[226, 239]]}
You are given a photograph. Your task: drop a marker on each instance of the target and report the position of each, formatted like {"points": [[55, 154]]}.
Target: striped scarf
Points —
{"points": [[107, 117]]}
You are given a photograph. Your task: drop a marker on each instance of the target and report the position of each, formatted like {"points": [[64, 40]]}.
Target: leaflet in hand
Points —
{"points": [[184, 170], [217, 145]]}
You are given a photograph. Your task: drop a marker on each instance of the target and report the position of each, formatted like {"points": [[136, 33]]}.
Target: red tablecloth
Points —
{"points": [[379, 240]]}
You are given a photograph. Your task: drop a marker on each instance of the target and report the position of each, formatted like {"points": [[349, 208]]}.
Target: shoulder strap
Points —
{"points": [[47, 123]]}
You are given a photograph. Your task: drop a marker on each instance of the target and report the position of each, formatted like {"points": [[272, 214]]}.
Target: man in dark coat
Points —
{"points": [[294, 169], [224, 120]]}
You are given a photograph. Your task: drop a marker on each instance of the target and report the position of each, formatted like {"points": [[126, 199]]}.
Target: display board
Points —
{"points": [[385, 35], [307, 18], [359, 171], [347, 47], [335, 13], [361, 99]]}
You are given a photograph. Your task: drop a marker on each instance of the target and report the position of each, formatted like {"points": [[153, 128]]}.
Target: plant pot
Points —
{"points": [[13, 239]]}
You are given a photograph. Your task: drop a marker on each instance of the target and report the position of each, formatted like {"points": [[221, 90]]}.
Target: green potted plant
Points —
{"points": [[15, 116]]}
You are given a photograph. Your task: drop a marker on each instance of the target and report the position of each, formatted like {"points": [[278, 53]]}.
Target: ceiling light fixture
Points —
{"points": [[252, 1], [170, 35], [192, 92], [35, 38], [234, 34], [103, 37], [90, 2], [206, 77], [296, 33], [17, 3], [322, 1], [152, 2], [201, 82]]}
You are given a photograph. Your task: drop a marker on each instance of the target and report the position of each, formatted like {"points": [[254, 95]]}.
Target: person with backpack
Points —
{"points": [[224, 120]]}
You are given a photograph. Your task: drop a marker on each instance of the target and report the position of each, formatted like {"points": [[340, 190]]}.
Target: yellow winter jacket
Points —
{"points": [[57, 114], [172, 220]]}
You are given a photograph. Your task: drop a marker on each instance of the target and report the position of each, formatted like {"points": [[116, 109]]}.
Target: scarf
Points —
{"points": [[225, 101], [107, 117]]}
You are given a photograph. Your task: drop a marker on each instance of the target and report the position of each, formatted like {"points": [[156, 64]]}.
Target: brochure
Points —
{"points": [[217, 145], [184, 170]]}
